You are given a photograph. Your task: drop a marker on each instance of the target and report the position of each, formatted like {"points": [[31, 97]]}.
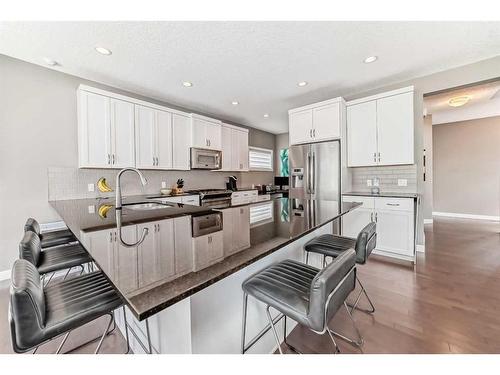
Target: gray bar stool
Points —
{"points": [[333, 246], [303, 293], [38, 315], [52, 259], [50, 239]]}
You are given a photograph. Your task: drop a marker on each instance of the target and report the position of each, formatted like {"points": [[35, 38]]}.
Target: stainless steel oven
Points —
{"points": [[202, 158], [206, 224]]}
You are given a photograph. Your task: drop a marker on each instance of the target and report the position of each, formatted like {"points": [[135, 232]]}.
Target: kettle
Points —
{"points": [[231, 184]]}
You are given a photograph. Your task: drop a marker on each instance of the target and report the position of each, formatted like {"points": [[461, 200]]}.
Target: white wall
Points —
{"points": [[38, 130]]}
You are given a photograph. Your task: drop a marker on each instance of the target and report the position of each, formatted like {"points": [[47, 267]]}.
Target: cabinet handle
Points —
{"points": [[109, 159], [158, 228], [110, 236], [371, 217], [314, 133], [376, 217], [379, 157], [310, 133], [115, 236], [209, 239], [375, 157], [113, 157], [157, 161], [393, 204]]}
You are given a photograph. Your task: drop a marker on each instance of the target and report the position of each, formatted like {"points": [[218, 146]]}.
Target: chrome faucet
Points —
{"points": [[118, 207], [118, 190]]}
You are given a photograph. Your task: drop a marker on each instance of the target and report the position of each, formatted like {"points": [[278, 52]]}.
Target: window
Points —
{"points": [[260, 159]]}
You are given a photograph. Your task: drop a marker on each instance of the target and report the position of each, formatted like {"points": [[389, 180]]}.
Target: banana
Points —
{"points": [[103, 210], [103, 186]]}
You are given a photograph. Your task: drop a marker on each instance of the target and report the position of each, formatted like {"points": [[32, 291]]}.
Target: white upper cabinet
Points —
{"points": [[181, 141], [362, 134], [105, 132], [206, 132], [316, 122], [115, 131], [234, 148], [380, 129], [395, 129]]}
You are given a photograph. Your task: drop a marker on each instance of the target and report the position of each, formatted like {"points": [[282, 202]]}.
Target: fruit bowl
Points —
{"points": [[166, 191]]}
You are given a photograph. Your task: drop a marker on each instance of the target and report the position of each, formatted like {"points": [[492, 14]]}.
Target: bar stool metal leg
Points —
{"points": [[355, 304], [269, 317], [335, 346], [356, 343], [289, 346], [244, 323], [62, 343], [111, 318]]}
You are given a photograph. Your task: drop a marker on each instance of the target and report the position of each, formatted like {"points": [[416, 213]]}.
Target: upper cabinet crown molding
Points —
{"points": [[316, 122], [381, 95]]}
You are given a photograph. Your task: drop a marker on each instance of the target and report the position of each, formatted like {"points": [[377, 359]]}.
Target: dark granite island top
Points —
{"points": [[166, 267]]}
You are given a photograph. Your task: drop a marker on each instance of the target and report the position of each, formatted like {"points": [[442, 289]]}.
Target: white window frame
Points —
{"points": [[263, 150]]}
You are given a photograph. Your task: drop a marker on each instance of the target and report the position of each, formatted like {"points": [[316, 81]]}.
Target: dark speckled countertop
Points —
{"points": [[148, 277]]}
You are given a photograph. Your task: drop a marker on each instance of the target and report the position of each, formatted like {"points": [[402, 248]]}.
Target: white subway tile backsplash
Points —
{"points": [[388, 177]]}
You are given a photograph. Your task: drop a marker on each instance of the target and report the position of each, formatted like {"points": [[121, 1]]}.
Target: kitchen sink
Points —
{"points": [[146, 206]]}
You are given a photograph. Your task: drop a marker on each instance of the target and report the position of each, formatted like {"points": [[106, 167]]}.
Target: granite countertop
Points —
{"points": [[385, 194], [147, 278]]}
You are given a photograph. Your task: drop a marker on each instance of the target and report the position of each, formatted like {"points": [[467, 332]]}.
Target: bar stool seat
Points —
{"points": [[38, 314], [62, 257], [331, 245], [49, 239]]}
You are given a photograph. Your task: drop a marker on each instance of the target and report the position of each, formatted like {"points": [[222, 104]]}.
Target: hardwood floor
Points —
{"points": [[450, 302]]}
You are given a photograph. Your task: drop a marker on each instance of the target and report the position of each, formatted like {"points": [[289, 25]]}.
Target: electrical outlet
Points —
{"points": [[368, 182], [402, 182], [91, 209], [376, 181], [90, 187], [164, 184]]}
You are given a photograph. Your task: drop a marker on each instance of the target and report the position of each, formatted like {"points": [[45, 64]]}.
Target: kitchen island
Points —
{"points": [[185, 278]]}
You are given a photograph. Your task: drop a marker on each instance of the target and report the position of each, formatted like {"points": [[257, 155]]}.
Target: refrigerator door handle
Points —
{"points": [[313, 173], [308, 182]]}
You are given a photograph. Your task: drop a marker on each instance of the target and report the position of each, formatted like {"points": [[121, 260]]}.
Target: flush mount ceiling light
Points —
{"points": [[187, 84], [302, 84], [266, 115], [103, 51], [235, 102], [50, 62], [370, 59], [458, 101]]}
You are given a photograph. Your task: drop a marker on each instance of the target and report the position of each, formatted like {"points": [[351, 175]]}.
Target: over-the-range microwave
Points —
{"points": [[202, 158]]}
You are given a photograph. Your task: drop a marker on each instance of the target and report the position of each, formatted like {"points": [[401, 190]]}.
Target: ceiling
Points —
{"points": [[257, 64]]}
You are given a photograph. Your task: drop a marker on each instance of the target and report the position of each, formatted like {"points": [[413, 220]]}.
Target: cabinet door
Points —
{"points": [[395, 232], [213, 133], [326, 122], [183, 245], [122, 134], [199, 133], [354, 221], [300, 127], [362, 134], [164, 140], [242, 150], [145, 137], [227, 148], [207, 249], [94, 130], [102, 246], [181, 141], [148, 257], [165, 247], [228, 226], [242, 228], [126, 271], [395, 129]]}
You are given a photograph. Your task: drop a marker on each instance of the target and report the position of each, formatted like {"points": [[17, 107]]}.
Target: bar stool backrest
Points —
{"points": [[366, 242], [27, 306], [330, 288], [32, 225], [30, 248]]}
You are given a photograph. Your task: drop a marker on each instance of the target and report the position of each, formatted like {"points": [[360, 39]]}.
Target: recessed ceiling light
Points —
{"points": [[370, 59], [266, 115], [235, 102], [458, 101], [103, 51], [50, 62], [302, 84], [187, 84]]}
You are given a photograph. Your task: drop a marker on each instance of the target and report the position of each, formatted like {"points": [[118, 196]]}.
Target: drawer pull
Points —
{"points": [[393, 204]]}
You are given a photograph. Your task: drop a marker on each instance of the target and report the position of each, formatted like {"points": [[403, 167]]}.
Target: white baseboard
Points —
{"points": [[420, 248], [466, 216], [4, 275], [428, 221]]}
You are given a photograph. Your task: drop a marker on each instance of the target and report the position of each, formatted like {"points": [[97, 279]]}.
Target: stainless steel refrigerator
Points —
{"points": [[315, 171]]}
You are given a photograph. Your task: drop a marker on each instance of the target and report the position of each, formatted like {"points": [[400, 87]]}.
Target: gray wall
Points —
{"points": [[38, 130], [467, 167]]}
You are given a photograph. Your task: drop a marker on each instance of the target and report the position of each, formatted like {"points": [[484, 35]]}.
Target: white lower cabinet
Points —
{"points": [[395, 220], [207, 250], [236, 229], [244, 197]]}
